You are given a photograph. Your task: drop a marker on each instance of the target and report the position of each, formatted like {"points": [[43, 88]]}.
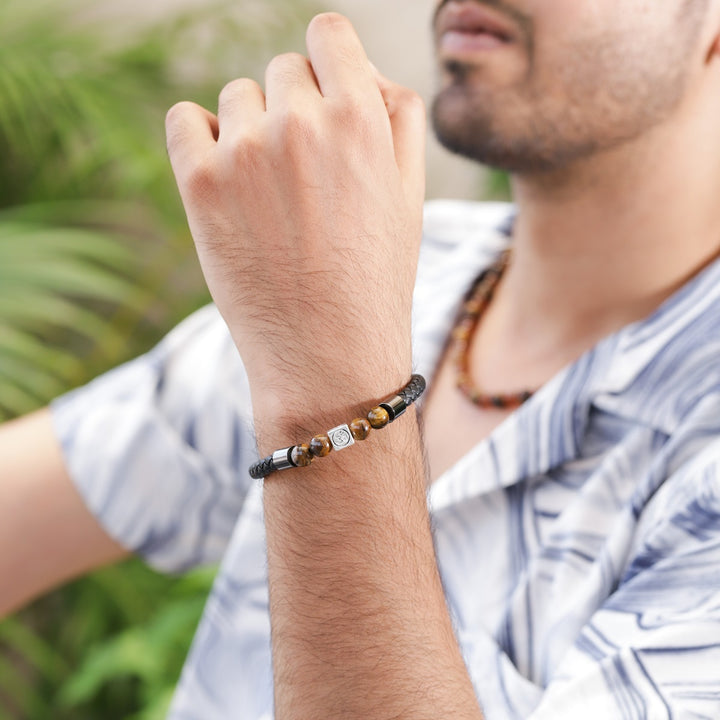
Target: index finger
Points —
{"points": [[338, 57]]}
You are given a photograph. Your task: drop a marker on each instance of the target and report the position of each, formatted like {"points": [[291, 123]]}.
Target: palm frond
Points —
{"points": [[56, 279]]}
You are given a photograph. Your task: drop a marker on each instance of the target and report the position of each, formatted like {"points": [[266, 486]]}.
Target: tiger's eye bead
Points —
{"points": [[360, 428], [378, 418], [473, 307], [461, 333], [320, 446], [301, 455]]}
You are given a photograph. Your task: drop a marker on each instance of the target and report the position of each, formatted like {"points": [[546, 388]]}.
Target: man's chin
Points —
{"points": [[460, 130], [468, 127]]}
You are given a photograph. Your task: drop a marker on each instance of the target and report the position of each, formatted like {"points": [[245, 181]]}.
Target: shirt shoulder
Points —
{"points": [[158, 447], [682, 520]]}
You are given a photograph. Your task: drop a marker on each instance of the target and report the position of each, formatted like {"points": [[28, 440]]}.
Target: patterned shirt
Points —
{"points": [[579, 544]]}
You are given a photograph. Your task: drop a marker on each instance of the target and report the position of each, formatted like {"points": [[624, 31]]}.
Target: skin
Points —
{"points": [[650, 200], [570, 84], [285, 189], [338, 152], [47, 535]]}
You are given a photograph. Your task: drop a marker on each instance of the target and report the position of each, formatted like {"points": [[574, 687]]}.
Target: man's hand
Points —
{"points": [[305, 204]]}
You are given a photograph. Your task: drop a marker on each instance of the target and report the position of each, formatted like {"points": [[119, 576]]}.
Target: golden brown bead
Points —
{"points": [[320, 446], [360, 428], [461, 333], [378, 417], [301, 455], [473, 307]]}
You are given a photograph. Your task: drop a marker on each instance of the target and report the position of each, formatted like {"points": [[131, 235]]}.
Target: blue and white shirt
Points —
{"points": [[579, 544]]}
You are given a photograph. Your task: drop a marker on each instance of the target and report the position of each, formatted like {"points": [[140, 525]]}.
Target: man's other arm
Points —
{"points": [[47, 534]]}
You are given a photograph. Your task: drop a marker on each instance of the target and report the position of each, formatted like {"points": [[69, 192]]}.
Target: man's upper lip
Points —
{"points": [[471, 17]]}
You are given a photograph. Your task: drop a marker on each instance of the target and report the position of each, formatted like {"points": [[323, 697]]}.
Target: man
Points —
{"points": [[578, 536]]}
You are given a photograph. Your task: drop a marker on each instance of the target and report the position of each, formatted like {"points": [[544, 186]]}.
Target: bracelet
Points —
{"points": [[342, 436]]}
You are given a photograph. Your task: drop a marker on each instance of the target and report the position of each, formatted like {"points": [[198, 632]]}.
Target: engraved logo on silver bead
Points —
{"points": [[341, 437]]}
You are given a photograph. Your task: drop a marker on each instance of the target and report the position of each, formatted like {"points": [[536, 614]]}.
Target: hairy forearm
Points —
{"points": [[305, 204], [360, 628]]}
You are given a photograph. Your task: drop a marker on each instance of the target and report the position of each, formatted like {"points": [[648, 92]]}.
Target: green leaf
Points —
{"points": [[157, 704], [34, 380], [15, 401], [34, 649], [39, 309], [128, 654]]}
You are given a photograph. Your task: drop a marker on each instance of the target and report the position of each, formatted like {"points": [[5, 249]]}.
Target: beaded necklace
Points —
{"points": [[478, 299]]}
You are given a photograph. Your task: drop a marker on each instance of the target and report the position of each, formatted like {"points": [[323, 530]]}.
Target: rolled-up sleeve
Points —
{"points": [[159, 447]]}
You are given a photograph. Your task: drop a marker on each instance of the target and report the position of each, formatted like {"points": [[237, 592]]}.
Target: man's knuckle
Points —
{"points": [[354, 115], [286, 62], [227, 91], [411, 100], [176, 112], [233, 89], [200, 179], [247, 149], [297, 129], [174, 124], [327, 21]]}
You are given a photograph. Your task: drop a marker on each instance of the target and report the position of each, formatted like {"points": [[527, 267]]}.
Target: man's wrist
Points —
{"points": [[342, 436], [294, 414]]}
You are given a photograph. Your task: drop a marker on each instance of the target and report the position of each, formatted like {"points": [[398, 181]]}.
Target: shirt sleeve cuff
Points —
{"points": [[159, 447]]}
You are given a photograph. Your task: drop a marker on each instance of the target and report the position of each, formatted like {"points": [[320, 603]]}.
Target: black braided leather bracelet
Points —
{"points": [[342, 436]]}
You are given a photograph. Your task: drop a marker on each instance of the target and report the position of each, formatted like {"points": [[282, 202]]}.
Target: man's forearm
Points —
{"points": [[305, 204], [47, 534], [360, 628]]}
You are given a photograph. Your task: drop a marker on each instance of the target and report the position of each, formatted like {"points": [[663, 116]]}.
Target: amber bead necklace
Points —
{"points": [[477, 301]]}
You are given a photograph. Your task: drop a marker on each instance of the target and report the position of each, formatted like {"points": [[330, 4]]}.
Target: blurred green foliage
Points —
{"points": [[95, 257], [109, 646], [497, 186], [96, 264]]}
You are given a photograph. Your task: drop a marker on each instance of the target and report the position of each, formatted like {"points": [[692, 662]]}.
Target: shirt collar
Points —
{"points": [[652, 372], [662, 367]]}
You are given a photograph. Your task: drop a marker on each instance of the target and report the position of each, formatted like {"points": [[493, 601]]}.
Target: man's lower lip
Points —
{"points": [[455, 42]]}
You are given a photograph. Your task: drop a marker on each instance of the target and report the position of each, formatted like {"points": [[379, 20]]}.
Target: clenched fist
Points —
{"points": [[305, 205]]}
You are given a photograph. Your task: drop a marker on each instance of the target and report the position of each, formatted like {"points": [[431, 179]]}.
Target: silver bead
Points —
{"points": [[340, 437], [281, 459], [395, 407]]}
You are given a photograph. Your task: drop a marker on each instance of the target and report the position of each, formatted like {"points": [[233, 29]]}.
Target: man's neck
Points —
{"points": [[599, 246]]}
